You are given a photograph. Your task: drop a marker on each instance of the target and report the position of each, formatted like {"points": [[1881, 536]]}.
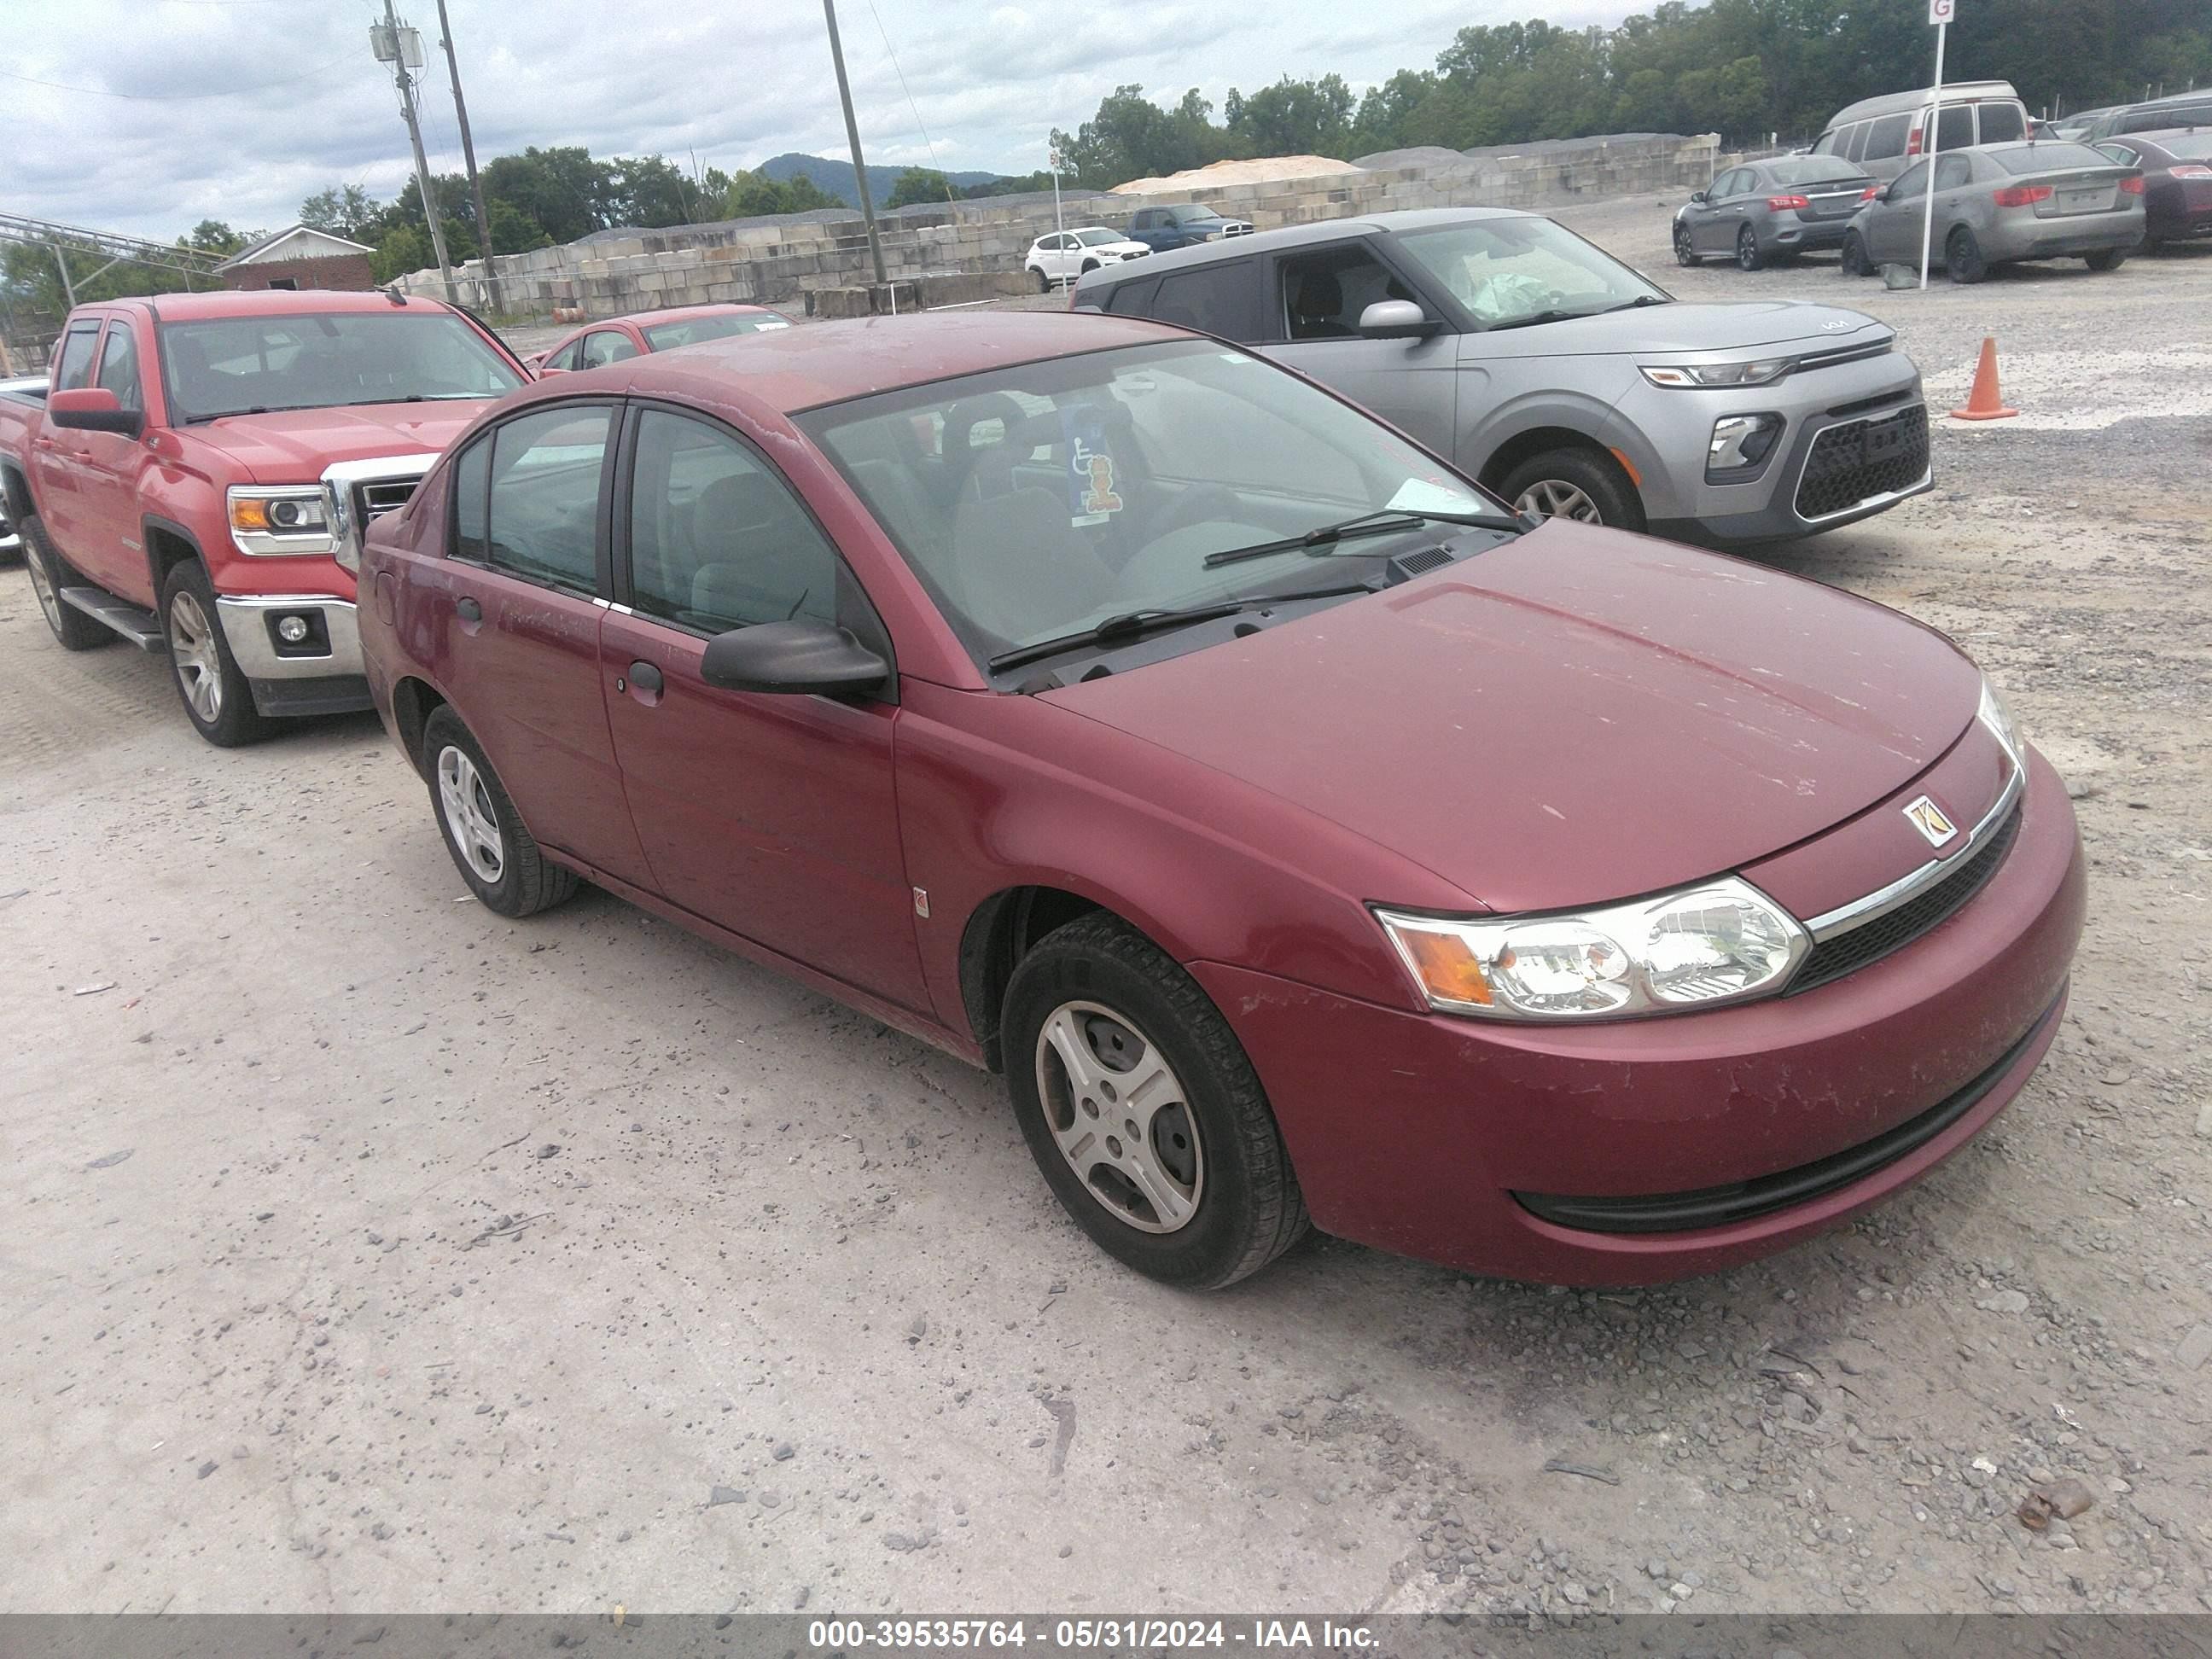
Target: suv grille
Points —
{"points": [[1861, 459], [1847, 953]]}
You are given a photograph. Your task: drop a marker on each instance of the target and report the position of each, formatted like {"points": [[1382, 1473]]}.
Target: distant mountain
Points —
{"points": [[836, 177]]}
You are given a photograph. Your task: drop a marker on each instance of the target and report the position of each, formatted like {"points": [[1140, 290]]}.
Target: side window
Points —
{"points": [[717, 540], [118, 365], [75, 366], [607, 346], [1886, 137], [1734, 182], [1910, 183], [1954, 128], [1855, 144], [1216, 299], [1324, 293], [545, 496], [1952, 172], [2121, 153], [1146, 219], [471, 501], [568, 356], [1133, 299], [2002, 123], [1830, 144]]}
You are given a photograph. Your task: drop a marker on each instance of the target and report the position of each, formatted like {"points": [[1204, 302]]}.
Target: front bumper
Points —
{"points": [[1414, 1133], [321, 674]]}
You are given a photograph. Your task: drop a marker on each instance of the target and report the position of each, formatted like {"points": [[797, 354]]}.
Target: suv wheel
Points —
{"points": [[50, 574], [1142, 1110], [495, 854], [218, 699], [1583, 484], [1043, 282]]}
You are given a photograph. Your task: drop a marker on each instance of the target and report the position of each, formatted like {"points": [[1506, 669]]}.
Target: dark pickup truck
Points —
{"points": [[1187, 225]]}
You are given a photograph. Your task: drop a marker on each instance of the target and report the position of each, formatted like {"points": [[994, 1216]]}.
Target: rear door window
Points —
{"points": [[1886, 137], [1221, 298], [1854, 146], [2001, 124], [545, 496], [75, 366]]}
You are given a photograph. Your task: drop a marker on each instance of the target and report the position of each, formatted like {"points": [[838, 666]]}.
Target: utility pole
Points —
{"points": [[853, 134], [397, 38], [469, 159]]}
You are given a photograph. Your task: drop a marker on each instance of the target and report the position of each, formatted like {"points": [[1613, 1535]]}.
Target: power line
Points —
{"points": [[910, 105]]}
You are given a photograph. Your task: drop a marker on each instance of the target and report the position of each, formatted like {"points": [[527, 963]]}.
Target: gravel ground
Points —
{"points": [[367, 1251]]}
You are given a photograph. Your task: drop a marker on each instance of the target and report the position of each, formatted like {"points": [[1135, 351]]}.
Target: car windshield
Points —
{"points": [[253, 365], [1810, 170], [1038, 500], [1097, 238], [1507, 272], [666, 336], [1191, 216], [2049, 157]]}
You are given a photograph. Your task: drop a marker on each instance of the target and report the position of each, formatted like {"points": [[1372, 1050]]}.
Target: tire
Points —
{"points": [[50, 573], [1962, 257], [1584, 484], [1043, 282], [1089, 265], [217, 698], [1853, 261], [2110, 258], [1748, 256], [1685, 251], [1212, 1144], [516, 878]]}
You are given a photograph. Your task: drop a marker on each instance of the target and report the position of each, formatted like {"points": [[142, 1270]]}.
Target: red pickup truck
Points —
{"points": [[197, 473]]}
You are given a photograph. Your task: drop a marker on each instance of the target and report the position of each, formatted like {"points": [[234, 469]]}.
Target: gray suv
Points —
{"points": [[1561, 378]]}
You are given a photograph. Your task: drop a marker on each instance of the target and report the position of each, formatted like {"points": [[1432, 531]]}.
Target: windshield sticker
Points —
{"points": [[1092, 499], [767, 323]]}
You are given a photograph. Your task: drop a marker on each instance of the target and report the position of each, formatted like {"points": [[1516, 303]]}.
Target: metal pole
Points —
{"points": [[422, 162], [1935, 131], [67, 287], [853, 136], [469, 160]]}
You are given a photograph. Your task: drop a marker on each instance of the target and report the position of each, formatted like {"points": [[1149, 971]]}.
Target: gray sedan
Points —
{"points": [[1771, 210], [2001, 204]]}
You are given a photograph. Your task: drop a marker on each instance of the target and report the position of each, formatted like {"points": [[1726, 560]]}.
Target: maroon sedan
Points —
{"points": [[642, 332], [2177, 170], [1300, 832]]}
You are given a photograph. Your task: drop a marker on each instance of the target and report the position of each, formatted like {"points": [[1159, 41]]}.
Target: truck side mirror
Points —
{"points": [[94, 409]]}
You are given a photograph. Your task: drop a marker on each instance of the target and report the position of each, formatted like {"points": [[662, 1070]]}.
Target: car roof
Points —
{"points": [[275, 302], [1894, 103], [1322, 230], [791, 369]]}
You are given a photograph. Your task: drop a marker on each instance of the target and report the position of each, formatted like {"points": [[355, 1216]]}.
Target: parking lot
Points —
{"points": [[370, 1251]]}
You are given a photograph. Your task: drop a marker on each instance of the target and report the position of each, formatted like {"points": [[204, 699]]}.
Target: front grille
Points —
{"points": [[379, 497], [1847, 953], [1746, 1201], [1862, 460]]}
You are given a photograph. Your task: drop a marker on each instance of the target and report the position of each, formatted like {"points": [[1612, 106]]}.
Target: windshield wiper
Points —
{"points": [[1136, 624], [1536, 317], [1383, 521], [1637, 304], [225, 414]]}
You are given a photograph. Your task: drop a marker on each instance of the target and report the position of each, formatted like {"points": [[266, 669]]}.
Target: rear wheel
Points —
{"points": [[1748, 256], [217, 698], [1685, 251], [495, 854], [1853, 259], [1962, 257], [50, 574], [2111, 259], [1582, 484]]}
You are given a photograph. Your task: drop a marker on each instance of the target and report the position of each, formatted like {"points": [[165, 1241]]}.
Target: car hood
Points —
{"points": [[1663, 332], [1574, 717], [293, 446]]}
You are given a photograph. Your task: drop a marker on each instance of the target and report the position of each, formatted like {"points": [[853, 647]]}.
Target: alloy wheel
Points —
{"points": [[1121, 1117], [1555, 498], [469, 818], [199, 662], [1685, 252]]}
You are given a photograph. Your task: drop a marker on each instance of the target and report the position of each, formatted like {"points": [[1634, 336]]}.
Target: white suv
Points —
{"points": [[1063, 256]]}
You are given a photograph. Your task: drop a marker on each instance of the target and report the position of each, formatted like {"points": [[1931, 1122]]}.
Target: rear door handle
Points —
{"points": [[646, 677], [470, 610]]}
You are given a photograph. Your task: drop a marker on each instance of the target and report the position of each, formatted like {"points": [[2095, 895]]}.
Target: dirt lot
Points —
{"points": [[367, 1251]]}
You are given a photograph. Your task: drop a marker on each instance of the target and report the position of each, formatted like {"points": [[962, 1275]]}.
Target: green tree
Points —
{"points": [[918, 184], [404, 250], [563, 190], [346, 211], [1291, 118], [213, 236]]}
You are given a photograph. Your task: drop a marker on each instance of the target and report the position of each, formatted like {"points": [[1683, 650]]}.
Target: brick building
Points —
{"points": [[299, 258]]}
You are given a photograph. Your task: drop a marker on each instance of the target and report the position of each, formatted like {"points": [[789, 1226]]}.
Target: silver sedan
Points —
{"points": [[1771, 210], [2001, 204]]}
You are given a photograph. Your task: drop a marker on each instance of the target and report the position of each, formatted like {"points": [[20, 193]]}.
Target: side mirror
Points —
{"points": [[797, 657], [1396, 320], [1696, 195], [94, 409]]}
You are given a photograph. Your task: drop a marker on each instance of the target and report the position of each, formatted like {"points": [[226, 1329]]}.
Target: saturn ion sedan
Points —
{"points": [[1304, 835]]}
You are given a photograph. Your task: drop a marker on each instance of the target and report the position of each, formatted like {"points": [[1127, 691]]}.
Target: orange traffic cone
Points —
{"points": [[1983, 404]]}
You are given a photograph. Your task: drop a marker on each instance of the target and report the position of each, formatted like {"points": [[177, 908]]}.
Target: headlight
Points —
{"points": [[1740, 444], [1992, 714], [1763, 371], [1719, 942], [290, 521]]}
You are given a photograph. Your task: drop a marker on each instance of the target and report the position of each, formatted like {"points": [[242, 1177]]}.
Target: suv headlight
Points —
{"points": [[288, 522], [1762, 371], [1719, 942]]}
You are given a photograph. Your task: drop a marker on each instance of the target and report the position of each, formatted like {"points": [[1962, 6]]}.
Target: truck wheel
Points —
{"points": [[492, 849], [50, 574], [218, 698], [1574, 483], [1143, 1111]]}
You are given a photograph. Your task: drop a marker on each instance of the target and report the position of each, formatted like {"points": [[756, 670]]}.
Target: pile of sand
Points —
{"points": [[1265, 170]]}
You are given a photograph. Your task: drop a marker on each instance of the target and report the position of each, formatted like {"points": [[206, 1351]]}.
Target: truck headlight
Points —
{"points": [[1763, 371], [1719, 942], [290, 521]]}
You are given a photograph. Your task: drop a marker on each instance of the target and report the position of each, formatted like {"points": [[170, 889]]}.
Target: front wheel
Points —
{"points": [[495, 853], [50, 574], [1685, 251], [2111, 259], [1583, 484], [1748, 256], [1142, 1110], [1853, 259], [217, 698], [1962, 257], [1043, 282]]}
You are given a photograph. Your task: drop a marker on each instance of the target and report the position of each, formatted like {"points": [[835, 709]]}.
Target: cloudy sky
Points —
{"points": [[162, 112]]}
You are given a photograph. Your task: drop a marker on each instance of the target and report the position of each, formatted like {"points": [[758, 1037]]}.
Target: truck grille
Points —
{"points": [[1856, 462], [377, 497]]}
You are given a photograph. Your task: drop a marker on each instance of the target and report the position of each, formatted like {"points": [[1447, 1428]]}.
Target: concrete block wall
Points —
{"points": [[782, 262]]}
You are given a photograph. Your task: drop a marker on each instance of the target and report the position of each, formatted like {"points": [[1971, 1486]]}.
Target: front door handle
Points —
{"points": [[469, 609], [646, 677]]}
